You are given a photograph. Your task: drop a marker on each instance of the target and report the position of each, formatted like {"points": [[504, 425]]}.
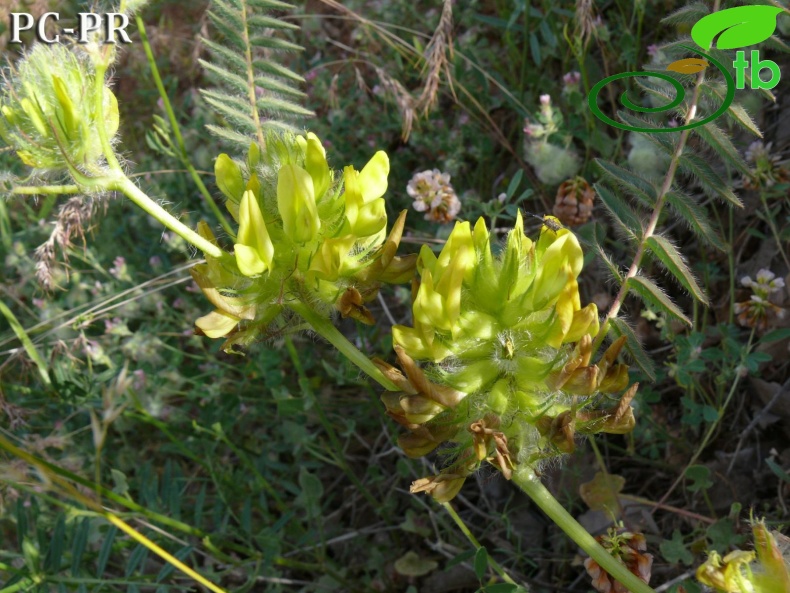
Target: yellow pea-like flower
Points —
{"points": [[296, 204], [508, 332], [254, 249]]}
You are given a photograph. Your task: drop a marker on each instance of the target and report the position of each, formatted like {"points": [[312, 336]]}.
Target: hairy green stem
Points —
{"points": [[526, 479], [171, 116], [330, 333], [45, 190], [653, 222], [140, 198]]}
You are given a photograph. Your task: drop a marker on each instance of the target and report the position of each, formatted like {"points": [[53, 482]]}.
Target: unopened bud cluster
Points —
{"points": [[506, 347], [48, 111], [302, 237]]}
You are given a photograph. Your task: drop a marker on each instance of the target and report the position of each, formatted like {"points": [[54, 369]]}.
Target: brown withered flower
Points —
{"points": [[574, 202]]}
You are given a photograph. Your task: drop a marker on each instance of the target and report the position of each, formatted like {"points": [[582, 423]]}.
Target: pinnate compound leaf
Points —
{"points": [[654, 296], [694, 215], [669, 256], [689, 14], [711, 182], [640, 188], [721, 144], [620, 211]]}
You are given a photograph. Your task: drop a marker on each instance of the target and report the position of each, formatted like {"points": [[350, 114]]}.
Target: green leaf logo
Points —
{"points": [[736, 27]]}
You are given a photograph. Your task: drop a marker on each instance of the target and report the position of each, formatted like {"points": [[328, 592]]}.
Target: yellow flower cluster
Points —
{"points": [[507, 348], [302, 237]]}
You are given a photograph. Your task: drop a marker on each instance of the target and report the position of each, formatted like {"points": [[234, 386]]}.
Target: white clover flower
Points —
{"points": [[432, 193], [769, 282]]}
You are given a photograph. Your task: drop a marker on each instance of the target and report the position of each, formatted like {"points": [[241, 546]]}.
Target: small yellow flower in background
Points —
{"points": [[507, 373], [762, 571], [433, 194], [301, 237]]}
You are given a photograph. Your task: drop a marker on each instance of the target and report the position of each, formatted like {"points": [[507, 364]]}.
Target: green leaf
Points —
{"points": [[776, 335], [736, 27], [514, 183], [136, 558], [711, 182], [55, 552], [106, 550], [700, 477], [462, 557], [621, 212], [656, 297], [720, 142], [27, 343], [312, 491], [694, 215], [669, 256], [723, 536], [776, 468], [245, 29], [78, 546], [675, 550], [481, 563], [614, 270], [534, 46], [640, 188], [687, 15], [621, 328], [267, 22]]}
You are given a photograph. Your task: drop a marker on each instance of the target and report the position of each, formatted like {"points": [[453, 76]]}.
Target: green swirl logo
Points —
{"points": [[731, 28]]}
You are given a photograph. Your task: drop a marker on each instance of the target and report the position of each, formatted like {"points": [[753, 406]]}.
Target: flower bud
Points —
{"points": [[296, 204], [48, 111], [254, 249]]}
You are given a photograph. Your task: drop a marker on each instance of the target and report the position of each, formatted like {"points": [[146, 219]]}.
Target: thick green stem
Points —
{"points": [[135, 194], [532, 486], [331, 334]]}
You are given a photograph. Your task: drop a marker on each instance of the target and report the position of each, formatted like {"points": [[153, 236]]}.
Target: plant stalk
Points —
{"points": [[125, 185], [182, 150], [526, 479], [331, 334]]}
